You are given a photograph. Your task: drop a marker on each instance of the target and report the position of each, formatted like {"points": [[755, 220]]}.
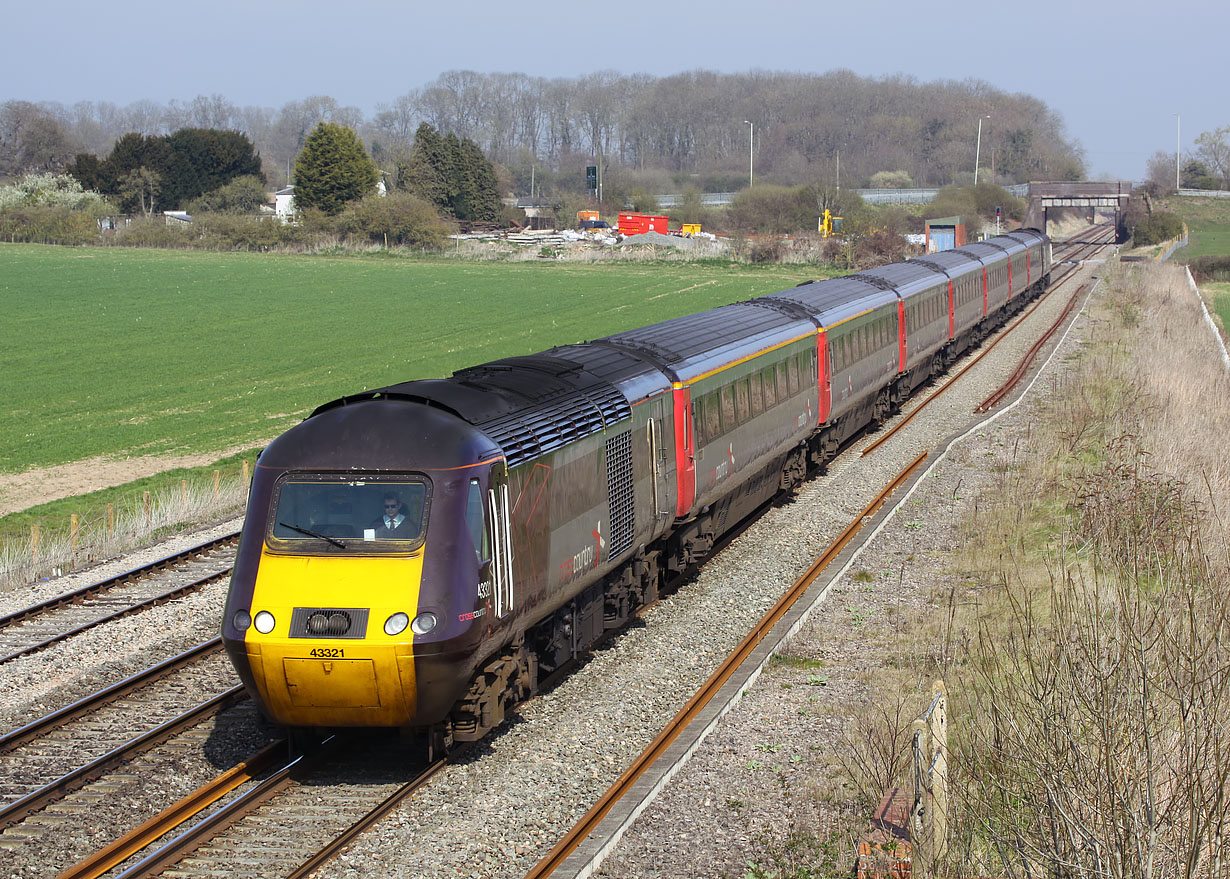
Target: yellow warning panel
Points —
{"points": [[331, 683]]}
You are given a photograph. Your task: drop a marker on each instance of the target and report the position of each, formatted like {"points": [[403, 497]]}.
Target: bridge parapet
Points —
{"points": [[1046, 195]]}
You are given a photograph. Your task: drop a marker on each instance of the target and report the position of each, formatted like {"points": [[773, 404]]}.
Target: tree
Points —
{"points": [[1213, 148], [141, 185], [1160, 172], [243, 195], [333, 169]]}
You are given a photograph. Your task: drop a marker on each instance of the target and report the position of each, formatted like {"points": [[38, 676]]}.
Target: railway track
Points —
{"points": [[1073, 252], [49, 622], [258, 841]]}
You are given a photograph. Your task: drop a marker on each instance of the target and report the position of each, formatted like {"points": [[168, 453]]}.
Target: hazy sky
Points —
{"points": [[1117, 72]]}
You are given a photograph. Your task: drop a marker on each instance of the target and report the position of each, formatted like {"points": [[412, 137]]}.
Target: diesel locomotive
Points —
{"points": [[421, 555]]}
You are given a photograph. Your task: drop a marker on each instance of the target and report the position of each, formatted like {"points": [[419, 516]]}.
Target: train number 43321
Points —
{"points": [[328, 652]]}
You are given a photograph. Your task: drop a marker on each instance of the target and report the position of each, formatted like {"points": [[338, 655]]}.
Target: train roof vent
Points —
{"points": [[874, 281], [531, 432]]}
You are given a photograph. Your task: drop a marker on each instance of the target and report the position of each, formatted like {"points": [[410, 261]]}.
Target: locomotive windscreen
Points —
{"points": [[377, 514]]}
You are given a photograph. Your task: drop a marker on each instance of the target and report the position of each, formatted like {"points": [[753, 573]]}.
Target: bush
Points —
{"points": [[40, 224], [891, 180], [154, 232], [396, 219], [243, 195], [231, 232], [1210, 268], [1157, 227], [774, 210]]}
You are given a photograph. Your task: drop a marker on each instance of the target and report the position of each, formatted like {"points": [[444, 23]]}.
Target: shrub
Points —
{"points": [[891, 180], [1157, 227], [243, 195], [396, 219], [41, 224], [1210, 268], [774, 210], [154, 232]]}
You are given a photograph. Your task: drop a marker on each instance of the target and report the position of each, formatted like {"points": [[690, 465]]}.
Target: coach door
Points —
{"points": [[500, 520], [658, 453]]}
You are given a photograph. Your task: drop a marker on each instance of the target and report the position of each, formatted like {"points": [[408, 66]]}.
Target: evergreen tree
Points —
{"points": [[333, 169], [453, 174], [427, 169]]}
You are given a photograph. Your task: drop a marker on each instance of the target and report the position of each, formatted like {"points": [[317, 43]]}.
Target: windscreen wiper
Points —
{"points": [[332, 540]]}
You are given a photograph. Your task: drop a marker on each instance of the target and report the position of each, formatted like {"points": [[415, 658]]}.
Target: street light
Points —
{"points": [[978, 148], [751, 150], [1177, 147]]}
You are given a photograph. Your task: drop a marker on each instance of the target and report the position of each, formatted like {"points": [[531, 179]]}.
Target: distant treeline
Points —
{"points": [[652, 132]]}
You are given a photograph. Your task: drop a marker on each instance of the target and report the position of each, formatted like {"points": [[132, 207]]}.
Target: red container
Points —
{"points": [[637, 224]]}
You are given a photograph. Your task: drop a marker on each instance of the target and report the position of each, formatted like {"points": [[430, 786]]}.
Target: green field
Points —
{"points": [[127, 352], [1208, 221], [1218, 297]]}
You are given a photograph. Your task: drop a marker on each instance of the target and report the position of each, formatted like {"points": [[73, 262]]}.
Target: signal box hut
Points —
{"points": [[945, 233]]}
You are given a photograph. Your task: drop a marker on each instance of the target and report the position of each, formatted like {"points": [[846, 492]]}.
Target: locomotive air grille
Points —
{"points": [[329, 622], [534, 431], [620, 492]]}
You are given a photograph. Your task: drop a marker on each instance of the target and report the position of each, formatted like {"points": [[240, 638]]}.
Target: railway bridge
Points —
{"points": [[1045, 198]]}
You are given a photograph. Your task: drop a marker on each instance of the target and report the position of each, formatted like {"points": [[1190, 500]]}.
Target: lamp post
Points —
{"points": [[751, 150], [978, 148], [1177, 147]]}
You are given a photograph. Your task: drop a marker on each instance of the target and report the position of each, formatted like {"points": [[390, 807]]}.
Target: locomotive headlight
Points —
{"points": [[241, 620], [423, 623], [396, 624], [264, 622]]}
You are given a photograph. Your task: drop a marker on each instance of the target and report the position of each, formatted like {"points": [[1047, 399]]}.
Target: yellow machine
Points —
{"points": [[687, 230], [829, 225]]}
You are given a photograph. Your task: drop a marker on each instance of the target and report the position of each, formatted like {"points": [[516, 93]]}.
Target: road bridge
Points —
{"points": [[1046, 198]]}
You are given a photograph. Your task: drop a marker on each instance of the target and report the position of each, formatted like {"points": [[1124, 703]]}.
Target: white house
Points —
{"points": [[284, 203]]}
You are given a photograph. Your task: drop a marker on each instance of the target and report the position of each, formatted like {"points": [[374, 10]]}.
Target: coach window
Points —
{"points": [[757, 393], [770, 388], [698, 420], [713, 417], [783, 387], [792, 373], [741, 401], [728, 408]]}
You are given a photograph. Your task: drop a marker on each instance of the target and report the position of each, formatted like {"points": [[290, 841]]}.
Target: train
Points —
{"points": [[422, 555]]}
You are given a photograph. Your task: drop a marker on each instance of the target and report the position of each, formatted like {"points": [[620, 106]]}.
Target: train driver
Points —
{"points": [[394, 524]]}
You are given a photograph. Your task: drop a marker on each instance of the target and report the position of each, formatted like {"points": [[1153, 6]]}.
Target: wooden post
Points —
{"points": [[34, 533], [110, 520], [939, 773], [145, 504], [183, 493], [247, 481], [74, 525], [929, 816], [217, 480]]}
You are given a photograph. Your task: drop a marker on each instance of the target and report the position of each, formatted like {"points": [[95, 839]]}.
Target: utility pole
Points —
{"points": [[751, 150], [978, 148], [1178, 140]]}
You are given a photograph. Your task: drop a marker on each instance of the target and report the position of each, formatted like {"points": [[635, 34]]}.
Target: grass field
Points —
{"points": [[123, 352], [1208, 220], [1218, 297]]}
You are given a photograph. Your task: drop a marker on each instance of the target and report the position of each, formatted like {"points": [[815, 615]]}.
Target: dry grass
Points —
{"points": [[131, 526], [1083, 624]]}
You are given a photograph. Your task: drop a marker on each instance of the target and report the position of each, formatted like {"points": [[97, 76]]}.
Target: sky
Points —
{"points": [[1128, 77]]}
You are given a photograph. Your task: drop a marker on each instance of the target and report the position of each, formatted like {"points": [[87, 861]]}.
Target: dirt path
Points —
{"points": [[19, 491]]}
